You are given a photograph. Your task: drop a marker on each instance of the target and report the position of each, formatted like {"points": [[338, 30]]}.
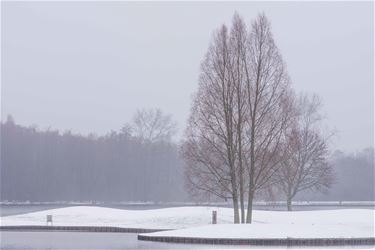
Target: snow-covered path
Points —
{"points": [[195, 221]]}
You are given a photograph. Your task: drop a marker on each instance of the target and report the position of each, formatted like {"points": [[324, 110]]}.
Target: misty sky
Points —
{"points": [[88, 66]]}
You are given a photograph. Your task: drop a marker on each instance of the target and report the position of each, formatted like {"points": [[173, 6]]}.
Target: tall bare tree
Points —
{"points": [[242, 107], [269, 105], [210, 147], [306, 164]]}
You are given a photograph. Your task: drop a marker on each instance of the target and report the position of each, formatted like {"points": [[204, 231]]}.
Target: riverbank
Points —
{"points": [[89, 229]]}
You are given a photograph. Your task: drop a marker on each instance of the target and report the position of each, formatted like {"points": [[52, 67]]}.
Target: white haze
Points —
{"points": [[87, 66]]}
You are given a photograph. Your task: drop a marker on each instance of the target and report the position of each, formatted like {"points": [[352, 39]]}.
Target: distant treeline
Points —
{"points": [[355, 178], [47, 165]]}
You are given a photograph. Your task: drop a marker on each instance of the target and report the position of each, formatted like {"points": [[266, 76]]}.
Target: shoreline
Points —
{"points": [[263, 242], [182, 203], [99, 229]]}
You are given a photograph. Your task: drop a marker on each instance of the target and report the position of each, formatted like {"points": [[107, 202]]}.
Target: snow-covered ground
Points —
{"points": [[195, 221], [166, 218], [267, 231]]}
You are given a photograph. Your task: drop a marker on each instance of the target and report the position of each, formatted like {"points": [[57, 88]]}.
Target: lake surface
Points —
{"points": [[83, 240], [110, 241]]}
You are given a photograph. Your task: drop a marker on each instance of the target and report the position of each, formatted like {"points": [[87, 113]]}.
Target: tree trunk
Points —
{"points": [[236, 210], [241, 172], [242, 203], [250, 207], [234, 190], [252, 162], [289, 203], [241, 180]]}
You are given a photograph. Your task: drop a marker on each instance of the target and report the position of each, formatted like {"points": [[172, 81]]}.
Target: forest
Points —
{"points": [[47, 165]]}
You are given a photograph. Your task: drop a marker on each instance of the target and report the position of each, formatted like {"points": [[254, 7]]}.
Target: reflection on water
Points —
{"points": [[83, 240]]}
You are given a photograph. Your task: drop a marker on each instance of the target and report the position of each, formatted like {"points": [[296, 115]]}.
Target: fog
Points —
{"points": [[48, 166], [88, 66]]}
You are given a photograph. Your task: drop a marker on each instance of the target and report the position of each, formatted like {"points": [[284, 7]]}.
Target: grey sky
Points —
{"points": [[88, 66]]}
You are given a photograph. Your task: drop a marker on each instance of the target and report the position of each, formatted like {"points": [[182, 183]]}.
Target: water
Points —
{"points": [[110, 241], [81, 240]]}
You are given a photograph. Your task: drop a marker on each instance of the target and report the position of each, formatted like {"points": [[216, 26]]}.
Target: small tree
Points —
{"points": [[305, 165]]}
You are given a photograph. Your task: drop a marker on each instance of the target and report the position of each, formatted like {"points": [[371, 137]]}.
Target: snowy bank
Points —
{"points": [[195, 222], [167, 218], [270, 231], [325, 227]]}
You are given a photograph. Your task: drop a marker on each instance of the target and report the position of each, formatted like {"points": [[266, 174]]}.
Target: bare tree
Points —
{"points": [[152, 125], [210, 146], [306, 164], [242, 107], [269, 105]]}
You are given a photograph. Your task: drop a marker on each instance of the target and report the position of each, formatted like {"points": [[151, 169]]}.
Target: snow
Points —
{"points": [[166, 218], [195, 221], [267, 231]]}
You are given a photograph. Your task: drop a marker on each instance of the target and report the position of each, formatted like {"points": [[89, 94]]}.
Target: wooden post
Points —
{"points": [[49, 219], [214, 217]]}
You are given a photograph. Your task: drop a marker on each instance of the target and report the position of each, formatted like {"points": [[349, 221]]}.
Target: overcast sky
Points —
{"points": [[88, 66]]}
